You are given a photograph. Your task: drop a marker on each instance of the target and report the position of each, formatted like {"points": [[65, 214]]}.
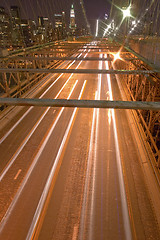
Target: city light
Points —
{"points": [[116, 56], [109, 27], [126, 12]]}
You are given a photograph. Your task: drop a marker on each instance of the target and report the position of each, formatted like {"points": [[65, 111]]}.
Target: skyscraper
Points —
{"points": [[72, 25], [26, 32], [60, 25], [5, 29], [17, 34], [44, 29]]}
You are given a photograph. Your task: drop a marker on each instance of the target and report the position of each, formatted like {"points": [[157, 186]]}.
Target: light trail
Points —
{"points": [[33, 227], [88, 173], [11, 207], [19, 150], [126, 220], [91, 223], [91, 157], [26, 113]]}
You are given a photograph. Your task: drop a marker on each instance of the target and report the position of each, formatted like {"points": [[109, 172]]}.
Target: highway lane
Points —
{"points": [[99, 201], [100, 216], [85, 201], [27, 160], [15, 134], [12, 146]]}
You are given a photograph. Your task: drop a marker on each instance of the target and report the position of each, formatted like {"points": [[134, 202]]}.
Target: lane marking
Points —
{"points": [[17, 175]]}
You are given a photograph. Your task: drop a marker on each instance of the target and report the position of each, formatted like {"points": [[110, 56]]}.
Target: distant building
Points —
{"points": [[17, 34], [45, 30], [33, 29], [60, 25], [28, 41], [72, 24], [5, 29], [82, 32], [58, 20]]}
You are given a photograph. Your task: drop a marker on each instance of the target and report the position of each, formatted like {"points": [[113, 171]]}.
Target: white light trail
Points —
{"points": [[92, 208], [26, 113], [119, 167], [12, 160], [30, 134], [92, 155], [12, 205], [44, 195]]}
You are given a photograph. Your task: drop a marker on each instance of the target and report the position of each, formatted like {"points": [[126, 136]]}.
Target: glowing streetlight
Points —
{"points": [[116, 56], [126, 12], [134, 22]]}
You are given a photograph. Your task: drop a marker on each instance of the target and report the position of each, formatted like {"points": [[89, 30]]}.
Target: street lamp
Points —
{"points": [[126, 12]]}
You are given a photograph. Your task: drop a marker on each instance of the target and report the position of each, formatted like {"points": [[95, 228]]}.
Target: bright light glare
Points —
{"points": [[134, 22], [116, 56], [126, 12], [109, 26]]}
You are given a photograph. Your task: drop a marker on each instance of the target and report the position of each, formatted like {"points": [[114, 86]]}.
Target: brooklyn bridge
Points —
{"points": [[80, 128]]}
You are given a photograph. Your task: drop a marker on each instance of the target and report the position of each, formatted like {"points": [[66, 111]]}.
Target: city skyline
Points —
{"points": [[32, 9], [17, 32]]}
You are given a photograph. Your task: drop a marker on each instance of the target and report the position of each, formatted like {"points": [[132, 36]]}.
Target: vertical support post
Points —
{"points": [[7, 89], [158, 164]]}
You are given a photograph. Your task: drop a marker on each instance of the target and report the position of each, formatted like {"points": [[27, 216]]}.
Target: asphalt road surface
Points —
{"points": [[73, 173]]}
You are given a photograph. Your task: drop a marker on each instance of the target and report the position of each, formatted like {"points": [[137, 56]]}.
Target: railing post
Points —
{"points": [[158, 159]]}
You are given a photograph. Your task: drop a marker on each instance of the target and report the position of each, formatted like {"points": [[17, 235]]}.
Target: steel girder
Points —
{"points": [[144, 88]]}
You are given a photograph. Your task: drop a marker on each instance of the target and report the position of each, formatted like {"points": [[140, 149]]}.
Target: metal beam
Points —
{"points": [[81, 103], [70, 58], [78, 71]]}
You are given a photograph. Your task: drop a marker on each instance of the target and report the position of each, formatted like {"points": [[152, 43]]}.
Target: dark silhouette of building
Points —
{"points": [[5, 29], [17, 34]]}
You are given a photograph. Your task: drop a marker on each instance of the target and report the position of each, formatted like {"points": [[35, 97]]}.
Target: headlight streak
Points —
{"points": [[24, 182], [26, 113], [3, 173], [119, 167], [92, 155], [33, 227], [98, 97]]}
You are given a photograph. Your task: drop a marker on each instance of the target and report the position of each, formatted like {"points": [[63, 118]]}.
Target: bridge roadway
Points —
{"points": [[73, 173]]}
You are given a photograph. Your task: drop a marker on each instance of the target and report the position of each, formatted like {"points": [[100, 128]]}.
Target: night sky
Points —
{"points": [[30, 9]]}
